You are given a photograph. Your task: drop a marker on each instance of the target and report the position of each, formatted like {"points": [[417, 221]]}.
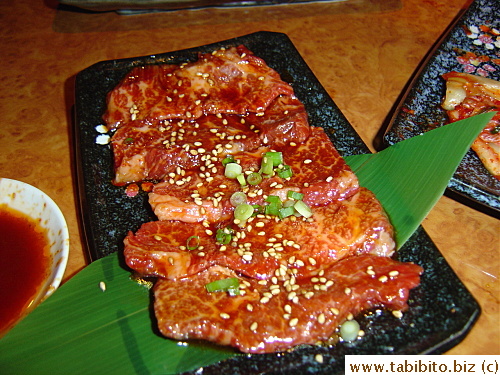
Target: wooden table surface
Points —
{"points": [[362, 51]]}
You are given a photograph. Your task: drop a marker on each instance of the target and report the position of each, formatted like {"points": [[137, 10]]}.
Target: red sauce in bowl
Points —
{"points": [[24, 265]]}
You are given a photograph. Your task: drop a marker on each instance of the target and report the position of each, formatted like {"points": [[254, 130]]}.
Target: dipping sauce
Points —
{"points": [[24, 264]]}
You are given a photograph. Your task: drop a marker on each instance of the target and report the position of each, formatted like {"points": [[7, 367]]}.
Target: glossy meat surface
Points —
{"points": [[319, 172], [228, 81], [151, 150], [280, 315], [265, 247], [301, 274]]}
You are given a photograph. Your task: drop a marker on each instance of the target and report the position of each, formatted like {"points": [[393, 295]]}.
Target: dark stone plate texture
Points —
{"points": [[442, 310], [420, 107]]}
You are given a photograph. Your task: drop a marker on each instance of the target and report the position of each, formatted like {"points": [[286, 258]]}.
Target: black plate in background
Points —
{"points": [[127, 7], [442, 310], [420, 107]]}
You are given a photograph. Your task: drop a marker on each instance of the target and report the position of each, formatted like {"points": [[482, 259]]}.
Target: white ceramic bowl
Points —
{"points": [[39, 206]]}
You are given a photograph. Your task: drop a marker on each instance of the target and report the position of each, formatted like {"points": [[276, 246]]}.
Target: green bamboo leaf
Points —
{"points": [[409, 177], [83, 329]]}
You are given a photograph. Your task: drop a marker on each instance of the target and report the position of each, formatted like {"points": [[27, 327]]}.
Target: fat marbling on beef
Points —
{"points": [[279, 315], [301, 275]]}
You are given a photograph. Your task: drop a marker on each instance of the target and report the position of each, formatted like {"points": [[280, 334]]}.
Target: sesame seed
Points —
{"points": [[347, 290], [293, 322], [157, 237], [249, 307], [383, 279], [264, 300], [329, 179], [393, 273], [335, 311], [102, 286], [398, 314], [224, 316], [307, 161], [321, 318], [288, 309], [309, 294], [254, 326], [318, 358]]}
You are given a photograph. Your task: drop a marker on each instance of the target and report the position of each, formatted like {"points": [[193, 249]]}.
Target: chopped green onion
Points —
{"points": [[257, 209], [285, 172], [128, 141], [228, 159], [241, 179], [230, 285], [274, 205], [243, 212], [275, 157], [349, 330], [273, 199], [294, 195], [232, 170], [193, 242], [254, 178], [238, 198], [495, 130], [223, 236], [266, 166], [285, 212], [303, 209]]}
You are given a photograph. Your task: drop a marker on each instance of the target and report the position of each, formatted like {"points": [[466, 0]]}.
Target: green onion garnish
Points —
{"points": [[285, 212], [266, 166], [243, 212], [495, 130], [285, 172], [228, 159], [257, 209], [273, 199], [254, 178], [232, 170], [238, 198], [241, 179], [275, 157], [294, 195], [223, 236], [193, 242], [274, 205], [303, 209], [230, 285]]}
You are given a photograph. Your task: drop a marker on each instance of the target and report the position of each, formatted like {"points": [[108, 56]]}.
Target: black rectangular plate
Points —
{"points": [[420, 106], [441, 312], [140, 6]]}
